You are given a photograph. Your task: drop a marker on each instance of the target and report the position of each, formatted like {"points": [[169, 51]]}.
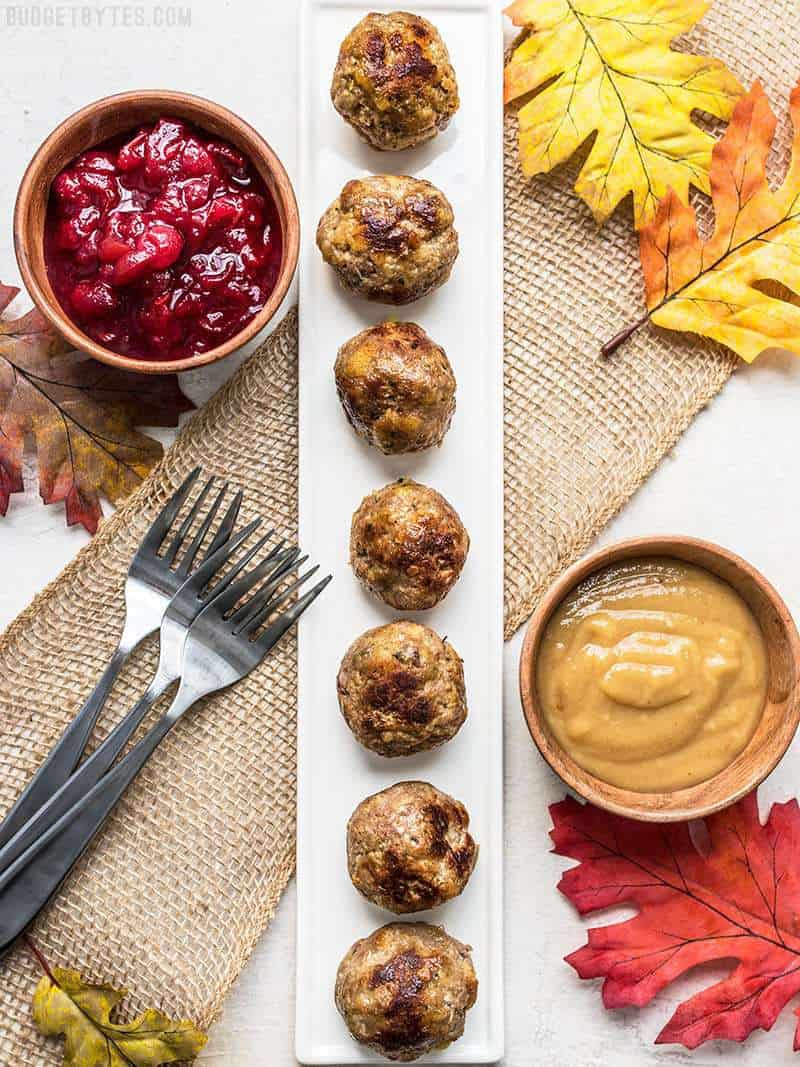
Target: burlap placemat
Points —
{"points": [[185, 877], [187, 873]]}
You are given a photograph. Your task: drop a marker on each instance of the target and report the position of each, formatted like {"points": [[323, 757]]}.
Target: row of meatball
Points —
{"points": [[408, 544], [405, 989]]}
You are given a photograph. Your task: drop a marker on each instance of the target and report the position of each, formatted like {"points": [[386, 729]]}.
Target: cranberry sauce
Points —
{"points": [[163, 244]]}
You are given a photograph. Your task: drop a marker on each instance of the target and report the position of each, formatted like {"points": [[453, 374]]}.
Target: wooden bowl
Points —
{"points": [[91, 126], [778, 722]]}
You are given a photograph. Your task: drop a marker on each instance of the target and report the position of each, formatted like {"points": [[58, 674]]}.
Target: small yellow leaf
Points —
{"points": [[606, 68], [82, 1014], [740, 287]]}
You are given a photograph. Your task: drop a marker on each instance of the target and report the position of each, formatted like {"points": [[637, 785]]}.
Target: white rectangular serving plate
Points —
{"points": [[337, 470]]}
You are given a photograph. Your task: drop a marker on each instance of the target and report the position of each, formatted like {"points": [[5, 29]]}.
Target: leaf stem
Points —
{"points": [[36, 952], [610, 347]]}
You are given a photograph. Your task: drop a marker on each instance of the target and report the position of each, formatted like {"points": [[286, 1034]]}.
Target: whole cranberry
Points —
{"points": [[94, 300]]}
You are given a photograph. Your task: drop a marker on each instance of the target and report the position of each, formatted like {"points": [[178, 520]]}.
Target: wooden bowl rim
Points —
{"points": [[648, 807], [260, 152]]}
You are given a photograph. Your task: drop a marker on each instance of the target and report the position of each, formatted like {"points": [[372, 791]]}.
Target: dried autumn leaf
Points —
{"points": [[82, 1014], [739, 900], [718, 287], [80, 416], [608, 68]]}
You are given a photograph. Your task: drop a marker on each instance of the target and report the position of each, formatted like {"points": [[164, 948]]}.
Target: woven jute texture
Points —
{"points": [[186, 875], [189, 869]]}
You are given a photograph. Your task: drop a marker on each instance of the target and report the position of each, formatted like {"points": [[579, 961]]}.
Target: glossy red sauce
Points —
{"points": [[163, 244]]}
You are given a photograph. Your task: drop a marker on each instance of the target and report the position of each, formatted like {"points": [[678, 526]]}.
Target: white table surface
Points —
{"points": [[733, 478]]}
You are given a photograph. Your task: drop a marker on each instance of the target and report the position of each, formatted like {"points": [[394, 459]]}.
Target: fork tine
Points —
{"points": [[226, 579], [158, 531], [244, 616], [190, 554], [277, 548], [271, 567], [177, 541], [226, 526], [224, 601], [209, 567], [269, 603], [290, 562], [275, 631], [247, 612]]}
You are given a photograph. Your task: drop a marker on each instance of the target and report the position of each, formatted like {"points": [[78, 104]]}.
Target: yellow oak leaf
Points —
{"points": [[605, 67], [82, 1013], [741, 286]]}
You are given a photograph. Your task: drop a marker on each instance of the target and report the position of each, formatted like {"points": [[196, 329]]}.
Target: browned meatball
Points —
{"points": [[407, 545], [394, 82], [401, 689], [409, 849], [389, 238], [406, 989], [396, 386]]}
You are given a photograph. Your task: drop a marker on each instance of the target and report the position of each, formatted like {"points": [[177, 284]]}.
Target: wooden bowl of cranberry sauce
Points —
{"points": [[157, 231]]}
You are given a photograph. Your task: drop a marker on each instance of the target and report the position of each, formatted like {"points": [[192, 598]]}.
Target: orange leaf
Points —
{"points": [[725, 288], [80, 416]]}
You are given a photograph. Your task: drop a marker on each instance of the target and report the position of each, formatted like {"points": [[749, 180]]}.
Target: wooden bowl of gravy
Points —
{"points": [[659, 678]]}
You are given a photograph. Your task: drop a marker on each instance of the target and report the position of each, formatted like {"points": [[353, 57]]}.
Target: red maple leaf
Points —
{"points": [[739, 899]]}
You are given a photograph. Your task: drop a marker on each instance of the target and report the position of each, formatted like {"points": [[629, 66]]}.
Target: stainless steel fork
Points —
{"points": [[183, 609], [222, 646], [152, 581]]}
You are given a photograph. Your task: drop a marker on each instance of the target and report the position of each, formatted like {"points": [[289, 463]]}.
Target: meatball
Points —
{"points": [[409, 849], [405, 990], [407, 545], [389, 238], [394, 82], [401, 689], [397, 387]]}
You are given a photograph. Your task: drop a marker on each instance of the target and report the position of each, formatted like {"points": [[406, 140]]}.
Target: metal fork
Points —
{"points": [[151, 583], [183, 609], [223, 645]]}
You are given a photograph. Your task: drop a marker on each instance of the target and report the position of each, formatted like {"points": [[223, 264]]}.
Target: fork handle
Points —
{"points": [[63, 757], [88, 774], [29, 883]]}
